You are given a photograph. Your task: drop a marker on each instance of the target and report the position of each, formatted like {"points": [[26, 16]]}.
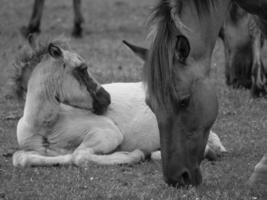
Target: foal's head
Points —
{"points": [[64, 77]]}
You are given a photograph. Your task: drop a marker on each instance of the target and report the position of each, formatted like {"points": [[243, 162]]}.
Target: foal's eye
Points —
{"points": [[184, 102]]}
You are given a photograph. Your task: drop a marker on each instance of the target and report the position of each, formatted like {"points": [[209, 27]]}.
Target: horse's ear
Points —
{"points": [[139, 51], [54, 51], [182, 48]]}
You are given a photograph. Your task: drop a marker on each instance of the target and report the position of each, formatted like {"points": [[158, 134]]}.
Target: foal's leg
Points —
{"points": [[84, 156], [97, 145], [78, 19], [35, 21], [32, 158]]}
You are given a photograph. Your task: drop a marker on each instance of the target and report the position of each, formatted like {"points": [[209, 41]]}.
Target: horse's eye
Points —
{"points": [[184, 102], [64, 65]]}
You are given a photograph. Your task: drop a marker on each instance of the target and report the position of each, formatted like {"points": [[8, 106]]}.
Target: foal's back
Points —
{"points": [[134, 118]]}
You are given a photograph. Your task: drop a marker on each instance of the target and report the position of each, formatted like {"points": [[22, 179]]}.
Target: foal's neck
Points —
{"points": [[41, 106]]}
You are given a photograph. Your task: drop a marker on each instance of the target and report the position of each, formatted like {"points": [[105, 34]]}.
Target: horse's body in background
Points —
{"points": [[126, 133], [243, 43], [35, 20]]}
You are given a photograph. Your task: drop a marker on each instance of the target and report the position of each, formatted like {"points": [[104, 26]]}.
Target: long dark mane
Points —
{"points": [[27, 60], [158, 70]]}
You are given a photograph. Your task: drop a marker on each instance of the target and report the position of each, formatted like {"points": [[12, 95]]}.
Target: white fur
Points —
{"points": [[125, 134]]}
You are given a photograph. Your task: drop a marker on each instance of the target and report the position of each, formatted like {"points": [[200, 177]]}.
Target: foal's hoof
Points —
{"points": [[19, 159], [138, 155], [259, 176]]}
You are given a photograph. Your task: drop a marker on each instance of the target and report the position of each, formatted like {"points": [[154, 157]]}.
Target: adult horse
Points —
{"points": [[243, 43], [176, 74], [37, 11], [60, 124]]}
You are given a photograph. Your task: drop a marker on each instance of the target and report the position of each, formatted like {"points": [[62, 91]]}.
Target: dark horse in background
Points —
{"points": [[243, 43], [176, 75], [35, 20]]}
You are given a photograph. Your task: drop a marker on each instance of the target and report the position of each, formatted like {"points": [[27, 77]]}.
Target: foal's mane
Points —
{"points": [[158, 71], [28, 59]]}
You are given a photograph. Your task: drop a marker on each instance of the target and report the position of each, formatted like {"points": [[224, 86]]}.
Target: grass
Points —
{"points": [[241, 123]]}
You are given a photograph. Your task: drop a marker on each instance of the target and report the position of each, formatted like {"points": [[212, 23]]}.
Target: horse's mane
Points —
{"points": [[28, 59], [158, 70]]}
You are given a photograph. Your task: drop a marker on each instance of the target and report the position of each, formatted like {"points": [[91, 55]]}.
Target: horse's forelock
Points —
{"points": [[158, 72]]}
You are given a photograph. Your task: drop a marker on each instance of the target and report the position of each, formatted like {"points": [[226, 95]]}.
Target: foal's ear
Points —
{"points": [[182, 48], [139, 51], [54, 51]]}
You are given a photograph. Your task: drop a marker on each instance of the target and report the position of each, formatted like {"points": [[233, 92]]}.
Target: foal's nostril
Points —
{"points": [[83, 66]]}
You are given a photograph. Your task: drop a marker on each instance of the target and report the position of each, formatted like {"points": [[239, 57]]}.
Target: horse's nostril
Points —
{"points": [[185, 178]]}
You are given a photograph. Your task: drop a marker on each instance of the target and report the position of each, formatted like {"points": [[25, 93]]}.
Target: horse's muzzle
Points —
{"points": [[185, 179]]}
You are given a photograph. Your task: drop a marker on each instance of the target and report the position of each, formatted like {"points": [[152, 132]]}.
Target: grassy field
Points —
{"points": [[241, 124]]}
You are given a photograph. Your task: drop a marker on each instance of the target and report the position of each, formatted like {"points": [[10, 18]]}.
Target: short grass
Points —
{"points": [[241, 123]]}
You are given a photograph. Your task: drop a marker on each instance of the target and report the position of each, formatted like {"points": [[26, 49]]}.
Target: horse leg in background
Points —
{"points": [[97, 146], [78, 19], [258, 76], [33, 158], [35, 21], [228, 73]]}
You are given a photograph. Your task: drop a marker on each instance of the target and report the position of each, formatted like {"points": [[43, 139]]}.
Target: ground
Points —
{"points": [[241, 123]]}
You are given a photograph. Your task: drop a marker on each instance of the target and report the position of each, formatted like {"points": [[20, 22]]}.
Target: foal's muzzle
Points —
{"points": [[101, 98], [101, 101]]}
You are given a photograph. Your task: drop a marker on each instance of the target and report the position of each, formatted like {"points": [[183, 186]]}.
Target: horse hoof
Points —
{"points": [[19, 159], [77, 31]]}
